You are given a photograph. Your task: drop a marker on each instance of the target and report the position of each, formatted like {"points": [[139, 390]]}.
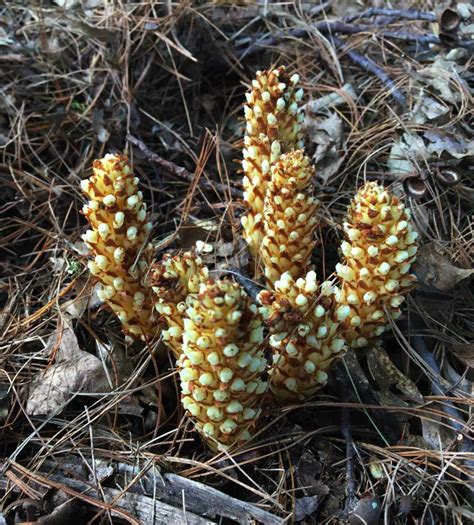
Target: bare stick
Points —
{"points": [[369, 65], [260, 41], [346, 431], [407, 14]]}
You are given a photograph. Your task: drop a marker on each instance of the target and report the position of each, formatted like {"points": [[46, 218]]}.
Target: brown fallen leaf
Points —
{"points": [[433, 268], [52, 391], [74, 371], [464, 352], [327, 134]]}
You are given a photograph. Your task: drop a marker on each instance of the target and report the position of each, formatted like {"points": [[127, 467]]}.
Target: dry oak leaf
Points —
{"points": [[53, 390], [464, 352], [433, 268], [74, 371]]}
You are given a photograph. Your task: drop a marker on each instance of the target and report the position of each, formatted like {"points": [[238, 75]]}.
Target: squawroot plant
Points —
{"points": [[312, 323], [301, 314], [379, 249], [222, 363], [173, 278], [289, 218], [216, 333], [118, 239], [304, 319], [273, 126]]}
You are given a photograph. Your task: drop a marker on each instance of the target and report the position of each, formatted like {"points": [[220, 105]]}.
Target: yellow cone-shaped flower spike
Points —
{"points": [[222, 363], [273, 126], [289, 218], [173, 278], [118, 241], [304, 325], [379, 250]]}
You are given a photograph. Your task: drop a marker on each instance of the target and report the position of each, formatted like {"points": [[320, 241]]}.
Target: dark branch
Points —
{"points": [[407, 14], [260, 40], [369, 65], [346, 431]]}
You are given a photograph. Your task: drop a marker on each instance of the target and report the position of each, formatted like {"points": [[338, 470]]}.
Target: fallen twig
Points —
{"points": [[77, 489], [178, 171], [369, 65], [260, 41], [201, 499], [346, 431], [437, 387], [408, 37], [407, 14]]}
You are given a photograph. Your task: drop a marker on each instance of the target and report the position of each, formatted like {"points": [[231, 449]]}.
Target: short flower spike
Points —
{"points": [[304, 324], [173, 279], [222, 364], [273, 117], [289, 218], [379, 250], [118, 239]]}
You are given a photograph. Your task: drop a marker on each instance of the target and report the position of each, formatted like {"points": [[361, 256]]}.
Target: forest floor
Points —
{"points": [[92, 430]]}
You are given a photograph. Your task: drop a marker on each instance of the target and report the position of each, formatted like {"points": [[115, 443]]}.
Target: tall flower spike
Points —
{"points": [[304, 325], [379, 250], [289, 218], [222, 363], [173, 279], [273, 117], [118, 241]]}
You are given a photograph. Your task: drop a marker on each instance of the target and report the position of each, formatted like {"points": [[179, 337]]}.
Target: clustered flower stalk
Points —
{"points": [[378, 252], [216, 334], [289, 218], [310, 323], [173, 279], [118, 239], [222, 363], [212, 327], [304, 320], [273, 126]]}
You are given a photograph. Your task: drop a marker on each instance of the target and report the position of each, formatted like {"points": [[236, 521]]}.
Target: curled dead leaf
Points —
{"points": [[433, 268], [74, 371], [327, 134], [464, 352], [51, 391]]}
